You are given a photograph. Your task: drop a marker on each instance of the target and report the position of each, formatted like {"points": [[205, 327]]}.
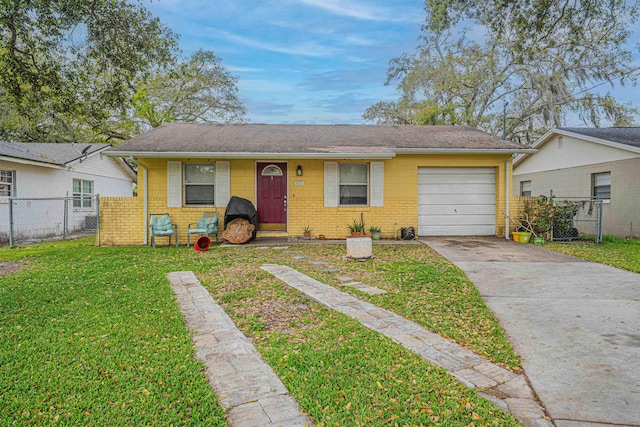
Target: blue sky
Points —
{"points": [[306, 61], [300, 61]]}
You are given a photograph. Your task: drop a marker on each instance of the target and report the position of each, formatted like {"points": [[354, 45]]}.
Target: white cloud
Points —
{"points": [[354, 9], [313, 50], [360, 41], [264, 86], [244, 69]]}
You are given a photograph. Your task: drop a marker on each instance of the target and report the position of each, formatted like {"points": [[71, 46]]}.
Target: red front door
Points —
{"points": [[272, 196]]}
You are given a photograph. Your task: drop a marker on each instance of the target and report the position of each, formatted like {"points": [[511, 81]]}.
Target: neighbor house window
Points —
{"points": [[82, 193], [7, 181], [601, 186], [525, 188], [354, 184], [199, 183]]}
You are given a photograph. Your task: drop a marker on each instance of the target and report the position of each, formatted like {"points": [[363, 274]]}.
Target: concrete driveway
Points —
{"points": [[576, 325]]}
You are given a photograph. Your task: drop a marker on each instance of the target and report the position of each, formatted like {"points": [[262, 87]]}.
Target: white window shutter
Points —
{"points": [[377, 184], [174, 184], [330, 184], [223, 183]]}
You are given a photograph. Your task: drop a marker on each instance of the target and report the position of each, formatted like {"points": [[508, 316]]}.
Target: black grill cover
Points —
{"points": [[241, 208]]}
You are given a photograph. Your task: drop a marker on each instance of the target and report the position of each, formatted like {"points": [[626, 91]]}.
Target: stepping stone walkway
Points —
{"points": [[245, 384], [301, 257], [366, 288], [470, 369]]}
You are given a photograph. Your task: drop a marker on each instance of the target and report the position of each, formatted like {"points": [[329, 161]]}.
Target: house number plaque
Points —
{"points": [[298, 183]]}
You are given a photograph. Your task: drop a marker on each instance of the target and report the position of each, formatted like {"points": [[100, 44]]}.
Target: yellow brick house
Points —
{"points": [[442, 180]]}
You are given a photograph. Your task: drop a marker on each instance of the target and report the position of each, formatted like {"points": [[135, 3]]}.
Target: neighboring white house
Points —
{"points": [[47, 170], [602, 163]]}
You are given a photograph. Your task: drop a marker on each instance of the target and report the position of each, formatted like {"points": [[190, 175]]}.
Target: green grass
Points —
{"points": [[94, 336], [340, 372], [616, 252], [428, 289]]}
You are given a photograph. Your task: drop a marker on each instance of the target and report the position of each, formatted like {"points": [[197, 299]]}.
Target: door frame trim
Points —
{"points": [[255, 185]]}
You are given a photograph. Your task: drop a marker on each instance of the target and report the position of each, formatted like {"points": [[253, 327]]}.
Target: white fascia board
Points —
{"points": [[31, 162], [547, 136], [600, 141], [227, 155], [128, 169], [463, 150]]}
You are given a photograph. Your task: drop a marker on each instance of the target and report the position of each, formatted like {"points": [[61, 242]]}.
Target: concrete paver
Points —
{"points": [[245, 385], [366, 288], [472, 370], [576, 325]]}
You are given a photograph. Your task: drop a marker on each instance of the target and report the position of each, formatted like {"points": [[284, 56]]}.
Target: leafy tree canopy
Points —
{"points": [[536, 63], [76, 70], [199, 89]]}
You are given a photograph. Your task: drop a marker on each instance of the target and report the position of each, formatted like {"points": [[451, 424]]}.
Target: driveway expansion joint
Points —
{"points": [[245, 384], [469, 368]]}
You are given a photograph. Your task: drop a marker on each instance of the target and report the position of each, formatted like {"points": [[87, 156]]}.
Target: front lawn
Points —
{"points": [[94, 336], [613, 251]]}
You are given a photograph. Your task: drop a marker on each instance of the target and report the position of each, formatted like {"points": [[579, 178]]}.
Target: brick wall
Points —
{"points": [[121, 221]]}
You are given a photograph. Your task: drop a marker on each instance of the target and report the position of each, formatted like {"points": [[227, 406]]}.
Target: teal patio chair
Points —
{"points": [[206, 225], [160, 225]]}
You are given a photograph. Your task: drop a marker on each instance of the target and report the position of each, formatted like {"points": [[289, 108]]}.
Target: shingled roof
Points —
{"points": [[48, 153], [245, 140]]}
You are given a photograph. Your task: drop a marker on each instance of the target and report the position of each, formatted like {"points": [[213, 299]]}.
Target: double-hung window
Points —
{"points": [[7, 183], [525, 188], [354, 184], [82, 194], [601, 183], [199, 183]]}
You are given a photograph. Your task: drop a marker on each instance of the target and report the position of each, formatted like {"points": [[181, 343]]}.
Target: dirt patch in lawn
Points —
{"points": [[279, 315], [8, 267]]}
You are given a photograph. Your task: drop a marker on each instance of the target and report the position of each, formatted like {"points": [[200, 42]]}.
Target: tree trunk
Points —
{"points": [[238, 231]]}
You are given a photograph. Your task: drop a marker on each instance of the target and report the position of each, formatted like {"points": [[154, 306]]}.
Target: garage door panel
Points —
{"points": [[457, 179], [457, 209], [478, 188], [473, 230], [456, 201], [452, 220], [456, 171]]}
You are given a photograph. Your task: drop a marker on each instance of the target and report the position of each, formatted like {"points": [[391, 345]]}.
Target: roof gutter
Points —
{"points": [[31, 162], [245, 155], [463, 150]]}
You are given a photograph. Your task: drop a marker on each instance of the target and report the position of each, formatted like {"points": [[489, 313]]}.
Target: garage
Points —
{"points": [[456, 201]]}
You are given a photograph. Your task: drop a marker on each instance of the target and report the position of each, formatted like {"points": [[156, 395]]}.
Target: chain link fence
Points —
{"points": [[32, 220], [577, 218], [558, 219]]}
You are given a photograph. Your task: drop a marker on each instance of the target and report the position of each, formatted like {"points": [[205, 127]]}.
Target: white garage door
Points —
{"points": [[456, 201]]}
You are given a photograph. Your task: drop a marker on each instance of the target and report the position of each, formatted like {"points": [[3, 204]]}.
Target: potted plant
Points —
{"points": [[306, 231], [375, 232], [357, 227], [524, 234]]}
